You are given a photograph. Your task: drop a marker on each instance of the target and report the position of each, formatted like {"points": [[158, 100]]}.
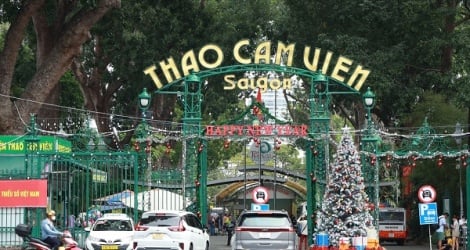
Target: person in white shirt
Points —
{"points": [[463, 221], [455, 232], [440, 231], [302, 225]]}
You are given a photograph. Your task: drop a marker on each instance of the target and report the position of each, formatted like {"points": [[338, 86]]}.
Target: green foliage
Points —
{"points": [[3, 30], [71, 95], [440, 113], [25, 66], [400, 42], [287, 157]]}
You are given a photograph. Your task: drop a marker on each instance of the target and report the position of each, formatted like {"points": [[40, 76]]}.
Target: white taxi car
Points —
{"points": [[169, 229], [111, 232]]}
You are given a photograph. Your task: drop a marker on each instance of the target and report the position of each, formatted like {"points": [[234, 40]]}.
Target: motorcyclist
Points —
{"points": [[49, 233]]}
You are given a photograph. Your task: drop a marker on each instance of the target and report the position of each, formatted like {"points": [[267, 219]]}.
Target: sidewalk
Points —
{"points": [[219, 242]]}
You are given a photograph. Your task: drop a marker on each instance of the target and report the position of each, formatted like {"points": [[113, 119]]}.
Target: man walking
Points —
{"points": [[303, 231], [440, 235]]}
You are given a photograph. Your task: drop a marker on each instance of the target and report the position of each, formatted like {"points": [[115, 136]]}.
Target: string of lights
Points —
{"points": [[164, 131]]}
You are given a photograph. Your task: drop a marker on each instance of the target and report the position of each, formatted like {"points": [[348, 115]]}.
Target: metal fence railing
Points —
{"points": [[83, 186]]}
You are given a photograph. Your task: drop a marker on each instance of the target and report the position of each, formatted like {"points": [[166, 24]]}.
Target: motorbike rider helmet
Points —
{"points": [[50, 213]]}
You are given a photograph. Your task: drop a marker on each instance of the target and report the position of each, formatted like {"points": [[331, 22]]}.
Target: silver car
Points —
{"points": [[264, 230]]}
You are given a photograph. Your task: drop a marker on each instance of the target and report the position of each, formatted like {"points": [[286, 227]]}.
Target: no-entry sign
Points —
{"points": [[260, 195], [427, 194]]}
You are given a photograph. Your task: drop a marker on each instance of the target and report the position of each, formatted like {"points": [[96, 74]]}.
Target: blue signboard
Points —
{"points": [[427, 213], [259, 207]]}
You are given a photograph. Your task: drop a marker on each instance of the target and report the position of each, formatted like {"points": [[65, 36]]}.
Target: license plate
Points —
{"points": [[391, 235], [265, 235], [109, 247], [157, 236]]}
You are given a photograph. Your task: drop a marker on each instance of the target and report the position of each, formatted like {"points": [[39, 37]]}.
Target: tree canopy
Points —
{"points": [[65, 60]]}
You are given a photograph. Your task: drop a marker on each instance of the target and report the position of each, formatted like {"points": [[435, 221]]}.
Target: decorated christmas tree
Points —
{"points": [[344, 211]]}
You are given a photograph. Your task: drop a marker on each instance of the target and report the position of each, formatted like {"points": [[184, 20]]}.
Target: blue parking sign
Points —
{"points": [[428, 213], [259, 207]]}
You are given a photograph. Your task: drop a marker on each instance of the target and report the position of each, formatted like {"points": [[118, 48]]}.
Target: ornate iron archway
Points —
{"points": [[321, 89]]}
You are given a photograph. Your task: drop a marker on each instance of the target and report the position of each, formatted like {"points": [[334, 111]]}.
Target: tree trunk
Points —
{"points": [[54, 56], [8, 56]]}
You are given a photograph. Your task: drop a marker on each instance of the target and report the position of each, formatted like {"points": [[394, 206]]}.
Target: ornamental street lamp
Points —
{"points": [[369, 102], [371, 140], [144, 101], [143, 141]]}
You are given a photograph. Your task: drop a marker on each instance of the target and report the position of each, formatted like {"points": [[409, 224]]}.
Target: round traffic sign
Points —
{"points": [[426, 194], [260, 195]]}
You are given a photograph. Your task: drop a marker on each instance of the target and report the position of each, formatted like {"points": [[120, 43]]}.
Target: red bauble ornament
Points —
{"points": [[226, 144]]}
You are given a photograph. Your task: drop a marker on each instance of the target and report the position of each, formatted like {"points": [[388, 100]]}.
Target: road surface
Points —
{"points": [[219, 242]]}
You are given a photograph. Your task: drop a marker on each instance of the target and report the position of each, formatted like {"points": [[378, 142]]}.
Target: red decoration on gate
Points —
{"points": [[226, 143], [463, 160], [168, 148], [439, 161]]}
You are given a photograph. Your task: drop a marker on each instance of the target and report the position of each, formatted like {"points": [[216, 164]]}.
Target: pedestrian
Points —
{"points": [[455, 232], [212, 225], [302, 232], [463, 228], [294, 221], [229, 228], [226, 222], [440, 231], [463, 221]]}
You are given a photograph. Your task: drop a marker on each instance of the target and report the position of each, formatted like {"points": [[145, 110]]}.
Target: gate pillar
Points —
{"points": [[195, 152], [318, 146]]}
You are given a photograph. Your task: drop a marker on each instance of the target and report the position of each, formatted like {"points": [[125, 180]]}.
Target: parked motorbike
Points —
{"points": [[32, 243]]}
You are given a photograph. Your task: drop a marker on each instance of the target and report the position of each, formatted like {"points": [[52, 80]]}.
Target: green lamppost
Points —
{"points": [[143, 142], [144, 102], [369, 144], [369, 102]]}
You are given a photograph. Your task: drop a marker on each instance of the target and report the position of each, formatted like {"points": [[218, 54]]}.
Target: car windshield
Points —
{"points": [[160, 220], [264, 220], [112, 225], [392, 216]]}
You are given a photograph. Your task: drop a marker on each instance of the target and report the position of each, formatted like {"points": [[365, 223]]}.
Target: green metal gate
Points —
{"points": [[82, 186]]}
